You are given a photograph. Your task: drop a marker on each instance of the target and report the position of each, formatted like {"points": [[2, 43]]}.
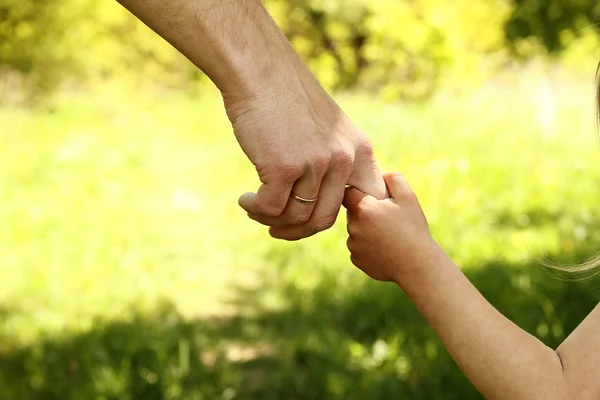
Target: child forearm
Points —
{"points": [[390, 241], [500, 359]]}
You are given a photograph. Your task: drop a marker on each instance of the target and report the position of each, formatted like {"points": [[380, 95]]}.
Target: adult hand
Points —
{"points": [[302, 145], [294, 133]]}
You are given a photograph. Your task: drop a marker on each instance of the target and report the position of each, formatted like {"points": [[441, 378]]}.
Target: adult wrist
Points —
{"points": [[241, 49]]}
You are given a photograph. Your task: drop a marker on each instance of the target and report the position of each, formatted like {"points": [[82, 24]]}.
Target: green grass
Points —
{"points": [[127, 270]]}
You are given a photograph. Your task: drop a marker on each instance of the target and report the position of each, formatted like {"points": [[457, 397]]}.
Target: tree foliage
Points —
{"points": [[29, 39], [403, 48], [553, 22]]}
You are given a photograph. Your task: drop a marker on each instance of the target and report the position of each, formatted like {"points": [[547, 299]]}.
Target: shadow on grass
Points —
{"points": [[347, 338]]}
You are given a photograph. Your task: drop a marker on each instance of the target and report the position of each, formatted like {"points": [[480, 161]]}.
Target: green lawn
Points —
{"points": [[127, 271]]}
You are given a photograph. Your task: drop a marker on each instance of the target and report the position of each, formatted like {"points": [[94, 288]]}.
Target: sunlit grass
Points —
{"points": [[113, 203]]}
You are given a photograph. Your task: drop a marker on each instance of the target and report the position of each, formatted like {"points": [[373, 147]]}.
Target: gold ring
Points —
{"points": [[303, 200]]}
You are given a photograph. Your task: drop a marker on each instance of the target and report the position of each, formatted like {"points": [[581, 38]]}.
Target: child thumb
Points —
{"points": [[353, 197], [397, 185]]}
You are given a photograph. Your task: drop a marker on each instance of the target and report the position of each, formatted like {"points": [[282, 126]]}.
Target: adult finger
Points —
{"points": [[272, 196], [366, 175], [300, 204], [325, 212]]}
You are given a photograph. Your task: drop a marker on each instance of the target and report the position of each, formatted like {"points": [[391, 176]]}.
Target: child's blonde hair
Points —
{"points": [[594, 262]]}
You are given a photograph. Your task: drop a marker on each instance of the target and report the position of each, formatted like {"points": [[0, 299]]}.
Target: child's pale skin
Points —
{"points": [[390, 241]]}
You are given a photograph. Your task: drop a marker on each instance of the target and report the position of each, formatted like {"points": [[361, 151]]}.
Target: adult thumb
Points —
{"points": [[397, 185], [367, 178]]}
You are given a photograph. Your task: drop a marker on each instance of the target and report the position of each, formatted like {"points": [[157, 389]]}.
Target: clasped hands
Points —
{"points": [[306, 151]]}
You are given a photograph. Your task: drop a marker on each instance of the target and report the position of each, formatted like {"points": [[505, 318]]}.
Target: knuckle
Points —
{"points": [[283, 234], [350, 243], [344, 159], [364, 147], [269, 210], [364, 210], [291, 170], [353, 230], [257, 218], [277, 235], [298, 219], [325, 223]]}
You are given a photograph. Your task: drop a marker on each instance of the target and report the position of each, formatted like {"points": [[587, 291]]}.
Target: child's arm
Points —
{"points": [[390, 241]]}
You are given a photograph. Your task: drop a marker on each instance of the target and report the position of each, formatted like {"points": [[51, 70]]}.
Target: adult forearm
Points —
{"points": [[299, 140], [500, 359], [235, 42]]}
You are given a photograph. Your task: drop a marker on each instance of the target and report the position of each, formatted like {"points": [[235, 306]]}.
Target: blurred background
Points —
{"points": [[127, 271]]}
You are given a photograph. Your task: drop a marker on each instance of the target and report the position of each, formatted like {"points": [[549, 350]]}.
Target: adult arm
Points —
{"points": [[297, 137]]}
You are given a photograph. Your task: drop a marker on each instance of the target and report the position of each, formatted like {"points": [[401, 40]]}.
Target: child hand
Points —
{"points": [[387, 237]]}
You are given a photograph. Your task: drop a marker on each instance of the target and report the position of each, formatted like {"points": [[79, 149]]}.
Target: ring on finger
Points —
{"points": [[303, 200]]}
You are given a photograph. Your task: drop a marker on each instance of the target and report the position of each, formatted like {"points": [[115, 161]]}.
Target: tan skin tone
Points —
{"points": [[296, 136], [301, 142], [390, 241]]}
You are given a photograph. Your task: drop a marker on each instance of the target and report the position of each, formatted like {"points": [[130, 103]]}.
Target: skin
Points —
{"points": [[293, 132], [390, 241]]}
